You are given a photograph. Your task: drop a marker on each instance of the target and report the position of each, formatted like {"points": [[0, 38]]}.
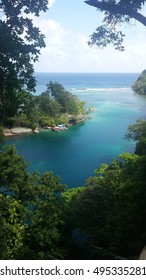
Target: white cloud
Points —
{"points": [[67, 51], [55, 52], [51, 2], [92, 59]]}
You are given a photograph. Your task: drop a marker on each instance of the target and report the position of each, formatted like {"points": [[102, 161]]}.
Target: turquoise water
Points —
{"points": [[75, 153]]}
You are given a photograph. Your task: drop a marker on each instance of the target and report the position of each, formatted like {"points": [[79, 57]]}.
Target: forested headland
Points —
{"points": [[53, 107]]}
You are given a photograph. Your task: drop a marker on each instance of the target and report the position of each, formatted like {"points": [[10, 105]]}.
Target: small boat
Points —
{"points": [[59, 127]]}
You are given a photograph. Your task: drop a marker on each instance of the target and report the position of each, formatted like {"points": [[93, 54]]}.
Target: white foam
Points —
{"points": [[101, 89]]}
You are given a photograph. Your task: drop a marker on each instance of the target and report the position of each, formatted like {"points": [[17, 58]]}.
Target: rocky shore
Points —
{"points": [[16, 131]]}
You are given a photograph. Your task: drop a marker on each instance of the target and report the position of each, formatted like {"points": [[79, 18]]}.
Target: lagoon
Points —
{"points": [[75, 153]]}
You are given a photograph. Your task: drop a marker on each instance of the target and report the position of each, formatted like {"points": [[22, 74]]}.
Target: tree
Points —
{"points": [[140, 85], [31, 210], [12, 103], [115, 12], [11, 227], [48, 105], [20, 47], [68, 102], [137, 133], [54, 89], [110, 210], [43, 237]]}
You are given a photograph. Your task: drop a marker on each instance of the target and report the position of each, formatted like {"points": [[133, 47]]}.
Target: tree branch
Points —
{"points": [[117, 9]]}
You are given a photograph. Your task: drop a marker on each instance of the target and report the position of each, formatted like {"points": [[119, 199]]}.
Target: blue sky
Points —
{"points": [[67, 26]]}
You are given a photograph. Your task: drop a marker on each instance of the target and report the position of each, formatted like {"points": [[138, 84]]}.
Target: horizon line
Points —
{"points": [[54, 72]]}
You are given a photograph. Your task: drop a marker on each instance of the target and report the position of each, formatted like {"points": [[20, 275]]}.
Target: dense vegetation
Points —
{"points": [[54, 106], [20, 47], [104, 219], [140, 85], [31, 210]]}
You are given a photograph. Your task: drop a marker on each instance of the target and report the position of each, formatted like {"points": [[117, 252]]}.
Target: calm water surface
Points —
{"points": [[75, 153]]}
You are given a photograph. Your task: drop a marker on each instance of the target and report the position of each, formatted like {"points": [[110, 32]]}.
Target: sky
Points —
{"points": [[67, 26]]}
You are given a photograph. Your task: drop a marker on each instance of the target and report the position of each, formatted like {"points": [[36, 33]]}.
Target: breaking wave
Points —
{"points": [[100, 89]]}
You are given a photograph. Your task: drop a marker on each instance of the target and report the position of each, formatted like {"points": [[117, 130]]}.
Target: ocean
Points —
{"points": [[86, 81], [75, 153]]}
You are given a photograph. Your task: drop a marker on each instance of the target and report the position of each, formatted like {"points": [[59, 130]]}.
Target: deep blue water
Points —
{"points": [[86, 80], [75, 153]]}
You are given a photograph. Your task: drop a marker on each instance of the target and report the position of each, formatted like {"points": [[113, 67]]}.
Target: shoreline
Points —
{"points": [[8, 132], [19, 131]]}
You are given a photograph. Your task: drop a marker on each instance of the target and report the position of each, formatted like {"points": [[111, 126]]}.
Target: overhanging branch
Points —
{"points": [[117, 9]]}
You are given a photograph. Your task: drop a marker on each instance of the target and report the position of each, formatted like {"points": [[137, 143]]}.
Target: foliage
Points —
{"points": [[68, 102], [115, 12], [20, 47], [12, 228], [137, 132], [1, 132], [14, 103], [105, 35], [52, 107], [110, 211], [140, 85], [47, 105], [31, 210], [24, 42]]}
